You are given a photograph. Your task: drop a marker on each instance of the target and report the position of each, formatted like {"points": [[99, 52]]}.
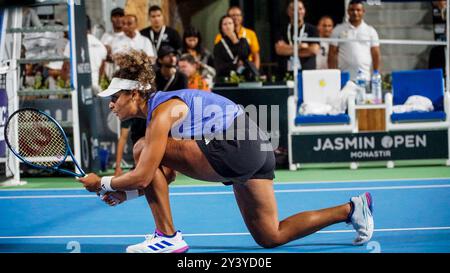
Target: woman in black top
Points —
{"points": [[192, 44], [231, 53]]}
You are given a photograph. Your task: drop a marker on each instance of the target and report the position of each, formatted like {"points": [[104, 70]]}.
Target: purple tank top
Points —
{"points": [[209, 113]]}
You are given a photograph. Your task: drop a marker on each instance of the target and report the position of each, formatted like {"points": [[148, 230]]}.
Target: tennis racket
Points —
{"points": [[41, 141]]}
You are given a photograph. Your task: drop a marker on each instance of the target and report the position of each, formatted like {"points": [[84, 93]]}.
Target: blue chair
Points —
{"points": [[300, 124], [318, 124], [427, 83]]}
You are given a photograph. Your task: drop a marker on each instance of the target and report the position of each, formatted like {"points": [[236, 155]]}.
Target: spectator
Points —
{"points": [[284, 46], [97, 57], [355, 56], [168, 78], [192, 44], [189, 67], [235, 13], [116, 20], [54, 80], [160, 34], [132, 38], [437, 53], [231, 53], [325, 28]]}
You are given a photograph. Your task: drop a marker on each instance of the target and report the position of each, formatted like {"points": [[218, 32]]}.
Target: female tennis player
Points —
{"points": [[207, 137]]}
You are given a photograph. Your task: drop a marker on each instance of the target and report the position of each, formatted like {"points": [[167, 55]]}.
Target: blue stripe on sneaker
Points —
{"points": [[167, 243], [153, 248], [160, 246]]}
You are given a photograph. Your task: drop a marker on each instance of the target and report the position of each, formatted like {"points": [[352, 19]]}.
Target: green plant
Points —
{"points": [[387, 82]]}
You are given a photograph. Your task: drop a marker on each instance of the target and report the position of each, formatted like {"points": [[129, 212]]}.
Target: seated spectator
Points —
{"points": [[192, 44], [132, 38], [325, 28], [284, 46], [168, 78], [160, 34], [231, 53], [189, 67], [235, 12]]}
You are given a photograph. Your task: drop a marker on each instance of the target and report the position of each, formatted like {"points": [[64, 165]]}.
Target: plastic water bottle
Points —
{"points": [[376, 86], [361, 83]]}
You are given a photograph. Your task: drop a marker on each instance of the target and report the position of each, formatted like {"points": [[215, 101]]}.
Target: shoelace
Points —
{"points": [[150, 237]]}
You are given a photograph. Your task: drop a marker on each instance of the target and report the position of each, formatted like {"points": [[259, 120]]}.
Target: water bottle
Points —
{"points": [[361, 83], [376, 87]]}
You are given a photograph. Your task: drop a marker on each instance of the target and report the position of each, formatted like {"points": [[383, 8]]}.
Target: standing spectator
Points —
{"points": [[437, 53], [160, 34], [97, 57], [168, 78], [192, 44], [108, 37], [355, 56], [235, 13], [132, 38], [116, 21], [189, 67], [284, 46], [232, 52], [325, 28]]}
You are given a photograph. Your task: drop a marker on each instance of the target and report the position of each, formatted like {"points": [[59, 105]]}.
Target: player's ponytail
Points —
{"points": [[137, 66]]}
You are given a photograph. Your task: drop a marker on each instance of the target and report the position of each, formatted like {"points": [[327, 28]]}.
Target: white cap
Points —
{"points": [[118, 84], [55, 65]]}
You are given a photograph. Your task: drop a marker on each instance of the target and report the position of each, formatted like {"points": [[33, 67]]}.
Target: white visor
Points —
{"points": [[118, 84]]}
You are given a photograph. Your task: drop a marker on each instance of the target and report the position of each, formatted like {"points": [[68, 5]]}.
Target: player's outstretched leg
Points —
{"points": [[256, 201]]}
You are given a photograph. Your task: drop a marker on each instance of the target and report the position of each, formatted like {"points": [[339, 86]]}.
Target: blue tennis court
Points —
{"points": [[410, 216]]}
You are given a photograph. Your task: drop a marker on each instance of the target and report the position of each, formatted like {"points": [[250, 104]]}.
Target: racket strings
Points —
{"points": [[40, 140]]}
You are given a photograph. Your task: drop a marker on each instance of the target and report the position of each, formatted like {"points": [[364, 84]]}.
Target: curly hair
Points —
{"points": [[137, 66]]}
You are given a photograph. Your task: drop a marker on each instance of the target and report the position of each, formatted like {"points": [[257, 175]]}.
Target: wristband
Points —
{"points": [[132, 194], [106, 183]]}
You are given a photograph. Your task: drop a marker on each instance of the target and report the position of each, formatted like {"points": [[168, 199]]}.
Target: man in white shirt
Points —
{"points": [[325, 29], [97, 56], [132, 38], [355, 56], [116, 21]]}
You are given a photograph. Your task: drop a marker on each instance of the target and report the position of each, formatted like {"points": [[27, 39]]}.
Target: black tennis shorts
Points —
{"points": [[241, 153]]}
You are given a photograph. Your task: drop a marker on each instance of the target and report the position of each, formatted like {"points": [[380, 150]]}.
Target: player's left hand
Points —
{"points": [[91, 182], [114, 198]]}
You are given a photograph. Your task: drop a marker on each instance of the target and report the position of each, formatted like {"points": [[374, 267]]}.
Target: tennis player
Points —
{"points": [[219, 143]]}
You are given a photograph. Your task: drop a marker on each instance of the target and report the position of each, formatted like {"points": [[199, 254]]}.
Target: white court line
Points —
{"points": [[216, 234], [217, 184], [230, 192]]}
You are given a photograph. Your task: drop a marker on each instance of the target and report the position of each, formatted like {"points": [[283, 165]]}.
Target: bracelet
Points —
{"points": [[106, 183], [132, 194]]}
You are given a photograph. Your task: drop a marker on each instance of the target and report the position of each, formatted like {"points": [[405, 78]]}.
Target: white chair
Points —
{"points": [[319, 86]]}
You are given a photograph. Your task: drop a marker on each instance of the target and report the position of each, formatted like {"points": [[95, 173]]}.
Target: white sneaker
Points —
{"points": [[362, 218], [159, 243]]}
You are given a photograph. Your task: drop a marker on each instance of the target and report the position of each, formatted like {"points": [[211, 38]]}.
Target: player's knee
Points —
{"points": [[267, 241]]}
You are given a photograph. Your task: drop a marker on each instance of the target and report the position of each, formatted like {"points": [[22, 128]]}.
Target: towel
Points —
{"points": [[414, 103]]}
